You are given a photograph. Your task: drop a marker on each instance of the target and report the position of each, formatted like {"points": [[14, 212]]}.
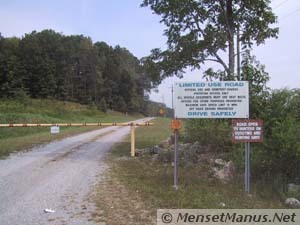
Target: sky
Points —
{"points": [[125, 23]]}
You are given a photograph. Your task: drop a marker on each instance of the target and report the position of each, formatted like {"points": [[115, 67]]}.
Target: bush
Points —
{"points": [[280, 153], [215, 134]]}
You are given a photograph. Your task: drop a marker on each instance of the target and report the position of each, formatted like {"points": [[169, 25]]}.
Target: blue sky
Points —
{"points": [[125, 23], [114, 21]]}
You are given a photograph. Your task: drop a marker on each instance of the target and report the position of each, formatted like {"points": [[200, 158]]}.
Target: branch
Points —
{"points": [[241, 8], [220, 60], [213, 60], [222, 4], [198, 27]]}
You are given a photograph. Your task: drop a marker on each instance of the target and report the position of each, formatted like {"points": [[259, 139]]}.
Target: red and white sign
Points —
{"points": [[247, 130]]}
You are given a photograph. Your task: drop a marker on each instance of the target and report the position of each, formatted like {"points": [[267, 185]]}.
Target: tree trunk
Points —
{"points": [[230, 25], [238, 61], [231, 59]]}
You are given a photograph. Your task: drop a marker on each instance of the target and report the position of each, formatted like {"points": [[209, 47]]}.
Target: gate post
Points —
{"points": [[132, 152]]}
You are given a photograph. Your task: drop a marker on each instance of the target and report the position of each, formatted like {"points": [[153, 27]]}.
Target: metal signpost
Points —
{"points": [[218, 99], [247, 131], [176, 126]]}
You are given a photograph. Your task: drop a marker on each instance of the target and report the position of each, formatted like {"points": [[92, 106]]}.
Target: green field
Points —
{"points": [[47, 111]]}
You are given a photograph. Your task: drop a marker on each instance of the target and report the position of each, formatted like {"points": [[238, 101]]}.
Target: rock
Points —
{"points": [[292, 202], [164, 144], [198, 148], [155, 150], [155, 157], [221, 175], [195, 147], [229, 169], [188, 153], [226, 174], [293, 188], [222, 204], [139, 152], [220, 162], [185, 146]]}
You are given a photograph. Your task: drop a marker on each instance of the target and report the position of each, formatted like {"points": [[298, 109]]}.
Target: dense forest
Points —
{"points": [[51, 65]]}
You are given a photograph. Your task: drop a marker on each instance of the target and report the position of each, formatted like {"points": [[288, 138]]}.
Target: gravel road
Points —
{"points": [[59, 176]]}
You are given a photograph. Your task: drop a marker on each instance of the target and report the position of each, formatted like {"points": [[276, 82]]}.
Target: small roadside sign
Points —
{"points": [[176, 124], [247, 130], [161, 112], [54, 129]]}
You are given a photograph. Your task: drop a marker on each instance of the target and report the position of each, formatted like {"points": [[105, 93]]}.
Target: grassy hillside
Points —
{"points": [[46, 111]]}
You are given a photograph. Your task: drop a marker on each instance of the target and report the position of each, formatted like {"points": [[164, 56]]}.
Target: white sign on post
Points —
{"points": [[219, 99], [54, 130]]}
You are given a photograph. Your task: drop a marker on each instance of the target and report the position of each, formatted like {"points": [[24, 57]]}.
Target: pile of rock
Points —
{"points": [[223, 170], [192, 153], [292, 202]]}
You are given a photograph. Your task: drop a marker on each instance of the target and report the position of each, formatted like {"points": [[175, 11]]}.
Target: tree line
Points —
{"points": [[48, 64]]}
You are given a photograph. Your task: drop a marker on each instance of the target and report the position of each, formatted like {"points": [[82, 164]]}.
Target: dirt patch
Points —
{"points": [[117, 205], [76, 148]]}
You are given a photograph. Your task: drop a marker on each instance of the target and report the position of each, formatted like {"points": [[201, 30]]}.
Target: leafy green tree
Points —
{"points": [[254, 72], [103, 105], [280, 153], [119, 104], [11, 83], [37, 57], [201, 31]]}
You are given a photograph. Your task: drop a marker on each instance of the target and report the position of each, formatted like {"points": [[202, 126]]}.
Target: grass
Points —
{"points": [[47, 111], [145, 137], [151, 181]]}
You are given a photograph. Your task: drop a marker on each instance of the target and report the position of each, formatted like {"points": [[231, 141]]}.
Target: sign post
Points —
{"points": [[176, 160], [176, 125], [247, 167], [247, 131]]}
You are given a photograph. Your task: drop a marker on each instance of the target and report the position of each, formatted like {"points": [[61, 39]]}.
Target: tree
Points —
{"points": [[119, 104], [254, 72], [281, 149], [201, 31], [11, 83], [103, 105]]}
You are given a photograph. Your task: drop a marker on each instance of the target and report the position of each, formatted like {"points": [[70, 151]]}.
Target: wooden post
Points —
{"points": [[132, 152]]}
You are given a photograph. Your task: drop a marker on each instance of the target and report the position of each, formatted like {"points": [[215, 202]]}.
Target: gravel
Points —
{"points": [[58, 176]]}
